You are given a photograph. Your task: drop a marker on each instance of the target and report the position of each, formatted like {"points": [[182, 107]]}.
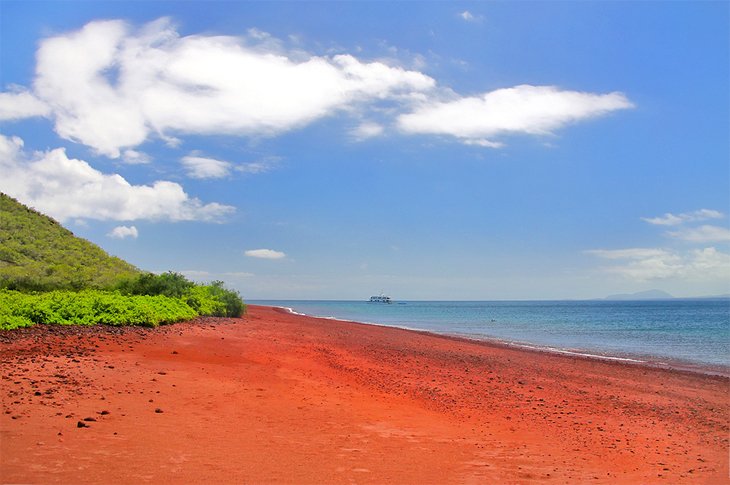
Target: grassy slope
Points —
{"points": [[37, 253]]}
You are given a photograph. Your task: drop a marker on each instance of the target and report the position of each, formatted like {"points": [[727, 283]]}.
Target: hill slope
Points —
{"points": [[37, 253]]}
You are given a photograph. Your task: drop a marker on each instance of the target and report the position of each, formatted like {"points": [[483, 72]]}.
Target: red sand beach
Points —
{"points": [[281, 398]]}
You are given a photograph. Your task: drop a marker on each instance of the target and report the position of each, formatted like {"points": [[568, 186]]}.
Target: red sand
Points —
{"points": [[280, 398]]}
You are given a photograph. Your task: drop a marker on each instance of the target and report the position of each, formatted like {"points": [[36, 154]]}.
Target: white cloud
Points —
{"points": [[200, 167], [670, 219], [534, 110], [135, 83], [237, 274], [481, 142], [121, 232], [20, 104], [134, 157], [702, 234], [469, 17], [131, 83], [203, 275], [205, 168], [67, 188], [195, 274], [697, 265], [709, 260], [260, 166], [367, 129], [642, 264], [632, 253], [265, 254]]}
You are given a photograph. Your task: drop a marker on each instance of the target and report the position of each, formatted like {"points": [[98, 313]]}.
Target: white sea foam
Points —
{"points": [[291, 310], [575, 352]]}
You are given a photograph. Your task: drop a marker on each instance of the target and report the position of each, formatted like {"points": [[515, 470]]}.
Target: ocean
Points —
{"points": [[682, 331]]}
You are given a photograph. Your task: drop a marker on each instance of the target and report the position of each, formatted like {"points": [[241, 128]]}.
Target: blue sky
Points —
{"points": [[334, 150]]}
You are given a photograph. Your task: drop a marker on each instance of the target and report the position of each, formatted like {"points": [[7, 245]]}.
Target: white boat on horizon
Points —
{"points": [[380, 299]]}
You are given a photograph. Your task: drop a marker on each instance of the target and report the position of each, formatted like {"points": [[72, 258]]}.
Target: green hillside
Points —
{"points": [[37, 253]]}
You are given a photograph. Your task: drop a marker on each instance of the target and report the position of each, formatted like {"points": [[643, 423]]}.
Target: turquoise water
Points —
{"points": [[691, 331]]}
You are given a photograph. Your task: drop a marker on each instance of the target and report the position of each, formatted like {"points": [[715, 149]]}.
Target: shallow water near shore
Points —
{"points": [[684, 331]]}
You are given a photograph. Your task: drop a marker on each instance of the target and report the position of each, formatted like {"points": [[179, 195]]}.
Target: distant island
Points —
{"points": [[642, 295], [661, 295]]}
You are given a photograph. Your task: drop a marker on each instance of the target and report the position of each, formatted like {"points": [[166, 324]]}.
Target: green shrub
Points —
{"points": [[89, 307], [10, 322], [201, 299], [10, 316], [147, 300], [168, 284], [210, 300], [234, 306]]}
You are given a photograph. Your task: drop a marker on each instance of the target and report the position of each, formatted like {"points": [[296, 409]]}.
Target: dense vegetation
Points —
{"points": [[38, 254], [89, 307], [148, 300], [213, 299], [49, 276]]}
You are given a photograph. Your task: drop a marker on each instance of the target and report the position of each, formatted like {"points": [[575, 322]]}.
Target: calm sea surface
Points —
{"points": [[691, 331]]}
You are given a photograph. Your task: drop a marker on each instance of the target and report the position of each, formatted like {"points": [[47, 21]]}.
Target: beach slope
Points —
{"points": [[281, 398]]}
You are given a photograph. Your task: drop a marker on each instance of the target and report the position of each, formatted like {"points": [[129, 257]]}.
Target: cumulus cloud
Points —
{"points": [[705, 233], [205, 168], [135, 83], [132, 83], [264, 254], [670, 219], [469, 17], [702, 234], [200, 167], [21, 104], [699, 264], [710, 260], [134, 157], [481, 142], [533, 110], [642, 264], [632, 253], [67, 188], [367, 129], [122, 232], [204, 275], [257, 167]]}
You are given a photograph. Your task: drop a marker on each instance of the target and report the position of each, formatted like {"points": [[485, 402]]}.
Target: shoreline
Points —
{"points": [[630, 359], [281, 398]]}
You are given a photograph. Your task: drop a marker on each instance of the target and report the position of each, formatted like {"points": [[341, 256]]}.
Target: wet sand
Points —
{"points": [[281, 398]]}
